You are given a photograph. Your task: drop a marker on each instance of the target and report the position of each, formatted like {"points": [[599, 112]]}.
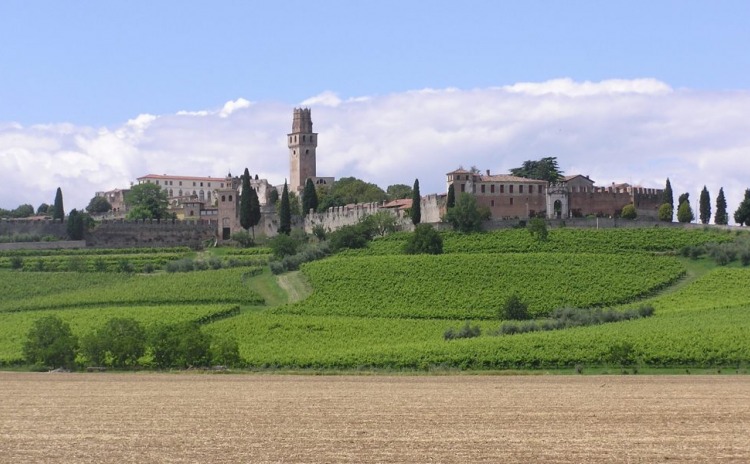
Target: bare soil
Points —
{"points": [[148, 417]]}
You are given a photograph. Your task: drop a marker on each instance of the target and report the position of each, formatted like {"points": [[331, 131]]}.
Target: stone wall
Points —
{"points": [[27, 227], [125, 234], [61, 244]]}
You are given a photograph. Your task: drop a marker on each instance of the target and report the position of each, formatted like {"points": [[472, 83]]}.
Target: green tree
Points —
{"points": [[685, 212], [537, 227], [668, 198], [742, 215], [50, 342], [451, 200], [295, 206], [245, 201], [424, 240], [514, 309], [665, 212], [43, 209], [398, 192], [721, 217], [705, 206], [119, 343], [309, 198], [147, 201], [285, 213], [23, 211], [416, 204], [58, 211], [254, 210], [76, 225], [181, 345], [272, 196], [383, 222], [629, 212], [98, 205], [225, 351], [467, 216], [543, 169], [283, 245], [350, 190]]}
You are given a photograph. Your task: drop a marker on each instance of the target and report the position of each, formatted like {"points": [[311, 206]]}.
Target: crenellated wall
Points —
{"points": [[125, 234]]}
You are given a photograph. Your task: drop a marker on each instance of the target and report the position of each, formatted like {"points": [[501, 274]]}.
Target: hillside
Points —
{"points": [[377, 309]]}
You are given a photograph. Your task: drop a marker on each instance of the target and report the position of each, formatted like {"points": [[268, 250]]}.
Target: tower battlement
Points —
{"points": [[302, 121]]}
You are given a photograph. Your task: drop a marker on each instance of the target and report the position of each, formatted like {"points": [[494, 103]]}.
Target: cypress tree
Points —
{"points": [[254, 210], [285, 213], [245, 201], [705, 206], [416, 204], [75, 225], [669, 197], [685, 212], [309, 198], [721, 217], [742, 215], [58, 212], [451, 197]]}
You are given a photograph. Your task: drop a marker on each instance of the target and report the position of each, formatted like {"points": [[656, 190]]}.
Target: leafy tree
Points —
{"points": [[685, 212], [349, 190], [147, 201], [295, 207], [243, 239], [119, 343], [283, 245], [353, 236], [705, 206], [76, 225], [538, 228], [23, 211], [544, 169], [514, 309], [629, 212], [665, 212], [245, 201], [98, 205], [182, 345], [272, 196], [416, 204], [668, 199], [721, 216], [50, 342], [742, 215], [58, 211], [398, 191], [383, 222], [682, 198], [285, 214], [451, 200], [309, 198], [226, 352], [467, 216], [424, 240], [44, 208], [254, 210]]}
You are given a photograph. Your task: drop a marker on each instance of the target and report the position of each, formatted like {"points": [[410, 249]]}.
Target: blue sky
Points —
{"points": [[114, 90]]}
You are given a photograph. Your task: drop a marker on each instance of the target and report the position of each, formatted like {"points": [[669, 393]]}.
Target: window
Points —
{"points": [[171, 194], [230, 197], [180, 183], [201, 195], [157, 182], [511, 200], [463, 187], [303, 138], [223, 198], [209, 184], [191, 212], [492, 203], [193, 184], [307, 152], [201, 184], [510, 189], [222, 185], [482, 188], [180, 194], [520, 189], [492, 189], [502, 188]]}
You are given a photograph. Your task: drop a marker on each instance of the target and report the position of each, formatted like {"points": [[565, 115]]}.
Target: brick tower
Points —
{"points": [[302, 144]]}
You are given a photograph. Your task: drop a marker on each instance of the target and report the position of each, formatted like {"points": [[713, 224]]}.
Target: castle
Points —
{"points": [[216, 200]]}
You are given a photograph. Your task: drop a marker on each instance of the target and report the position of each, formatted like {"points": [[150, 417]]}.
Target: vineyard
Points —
{"points": [[379, 309]]}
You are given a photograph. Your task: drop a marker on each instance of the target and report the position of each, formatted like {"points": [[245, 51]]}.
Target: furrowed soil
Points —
{"points": [[148, 417]]}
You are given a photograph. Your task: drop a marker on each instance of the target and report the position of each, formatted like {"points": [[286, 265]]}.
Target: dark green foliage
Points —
{"points": [[43, 209], [665, 212], [451, 200], [354, 236], [398, 191], [544, 169], [569, 317], [628, 212], [668, 197], [424, 240], [98, 205], [467, 331], [180, 346], [721, 217], [119, 343], [273, 196], [243, 239], [622, 354], [310, 252], [76, 225], [319, 231], [382, 222], [742, 215], [50, 342], [16, 262], [416, 204], [467, 216], [147, 201], [285, 213], [683, 198], [245, 201], [349, 190], [226, 352], [58, 211], [515, 309], [685, 212], [705, 206], [283, 245], [309, 198], [537, 227]]}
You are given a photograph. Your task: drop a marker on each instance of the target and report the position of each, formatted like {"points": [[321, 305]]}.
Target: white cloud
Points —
{"points": [[639, 131]]}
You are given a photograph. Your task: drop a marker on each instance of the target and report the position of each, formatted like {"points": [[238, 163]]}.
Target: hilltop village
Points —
{"points": [[216, 201]]}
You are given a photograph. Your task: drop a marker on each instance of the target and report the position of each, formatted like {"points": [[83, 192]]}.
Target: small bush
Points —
{"points": [[243, 239], [424, 240], [148, 268], [125, 266], [467, 331], [100, 265], [16, 262], [514, 309]]}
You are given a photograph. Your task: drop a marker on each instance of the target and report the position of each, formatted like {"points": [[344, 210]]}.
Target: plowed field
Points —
{"points": [[151, 417]]}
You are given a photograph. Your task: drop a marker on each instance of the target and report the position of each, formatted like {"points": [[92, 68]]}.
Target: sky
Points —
{"points": [[96, 94]]}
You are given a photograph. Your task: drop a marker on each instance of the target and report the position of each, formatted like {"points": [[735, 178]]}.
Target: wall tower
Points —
{"points": [[302, 142]]}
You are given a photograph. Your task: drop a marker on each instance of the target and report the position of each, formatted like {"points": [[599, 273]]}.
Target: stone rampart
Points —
{"points": [[127, 234], [44, 227]]}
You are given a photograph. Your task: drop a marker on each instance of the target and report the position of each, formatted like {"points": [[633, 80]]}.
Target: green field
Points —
{"points": [[377, 309]]}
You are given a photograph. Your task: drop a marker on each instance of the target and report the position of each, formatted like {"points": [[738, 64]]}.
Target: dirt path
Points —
{"points": [[294, 286], [148, 417]]}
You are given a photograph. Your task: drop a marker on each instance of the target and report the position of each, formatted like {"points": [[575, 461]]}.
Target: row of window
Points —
{"points": [[169, 182], [293, 139], [529, 189]]}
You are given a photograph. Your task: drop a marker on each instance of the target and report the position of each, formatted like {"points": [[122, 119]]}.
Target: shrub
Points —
{"points": [[514, 309], [467, 331], [243, 239], [50, 342], [119, 343], [424, 240], [148, 268], [538, 229], [16, 262], [225, 352], [319, 232], [622, 354], [181, 346], [628, 212], [125, 266], [283, 245]]}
